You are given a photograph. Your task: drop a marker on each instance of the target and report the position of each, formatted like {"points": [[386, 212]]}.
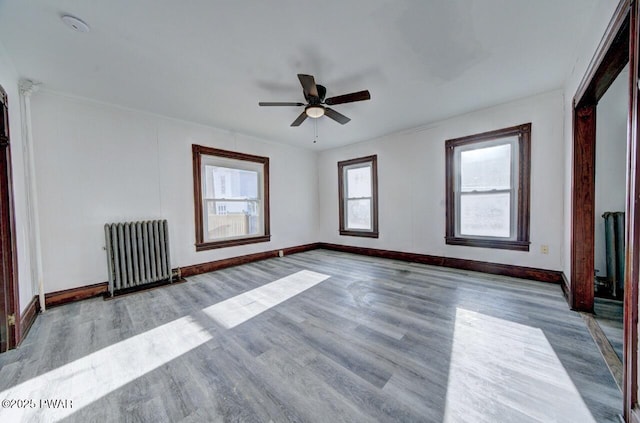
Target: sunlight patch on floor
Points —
{"points": [[234, 311], [506, 371], [94, 376]]}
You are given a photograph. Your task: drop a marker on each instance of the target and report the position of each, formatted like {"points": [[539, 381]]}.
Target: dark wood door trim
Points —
{"points": [[5, 293], [632, 266], [609, 60], [9, 300], [611, 57], [582, 206], [618, 47]]}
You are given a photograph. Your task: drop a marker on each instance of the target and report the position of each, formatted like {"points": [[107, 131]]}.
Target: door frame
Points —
{"points": [[9, 299], [612, 56], [618, 47], [632, 257]]}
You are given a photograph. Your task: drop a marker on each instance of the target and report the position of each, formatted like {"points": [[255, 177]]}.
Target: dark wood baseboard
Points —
{"points": [[211, 266], [90, 291], [541, 275], [29, 316], [75, 294], [301, 248]]}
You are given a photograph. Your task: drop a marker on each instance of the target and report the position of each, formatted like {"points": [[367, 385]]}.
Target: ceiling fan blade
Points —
{"points": [[349, 98], [308, 85], [338, 117], [299, 119], [279, 103]]}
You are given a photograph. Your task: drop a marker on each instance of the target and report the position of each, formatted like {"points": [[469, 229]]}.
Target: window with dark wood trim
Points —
{"points": [[487, 189], [358, 196], [231, 194]]}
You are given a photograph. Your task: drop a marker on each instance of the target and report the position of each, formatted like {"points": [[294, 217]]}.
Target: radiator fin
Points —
{"points": [[137, 253]]}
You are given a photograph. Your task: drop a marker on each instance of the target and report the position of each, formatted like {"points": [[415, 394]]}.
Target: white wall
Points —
{"points": [[9, 81], [585, 50], [611, 159], [98, 163], [411, 175]]}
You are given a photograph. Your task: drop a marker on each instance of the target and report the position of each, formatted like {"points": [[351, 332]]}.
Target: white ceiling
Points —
{"points": [[211, 61]]}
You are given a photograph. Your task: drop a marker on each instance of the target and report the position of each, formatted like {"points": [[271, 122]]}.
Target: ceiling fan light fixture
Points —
{"points": [[314, 111]]}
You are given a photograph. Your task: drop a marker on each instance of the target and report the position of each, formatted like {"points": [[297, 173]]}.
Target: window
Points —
{"points": [[487, 183], [358, 191], [231, 193]]}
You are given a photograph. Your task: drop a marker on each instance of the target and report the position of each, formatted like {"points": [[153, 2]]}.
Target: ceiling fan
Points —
{"points": [[316, 103]]}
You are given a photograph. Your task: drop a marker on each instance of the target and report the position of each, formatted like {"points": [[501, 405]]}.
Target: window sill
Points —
{"points": [[359, 233], [232, 242], [489, 243]]}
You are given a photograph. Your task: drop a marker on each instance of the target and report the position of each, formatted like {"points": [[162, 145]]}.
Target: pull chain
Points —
{"points": [[315, 130]]}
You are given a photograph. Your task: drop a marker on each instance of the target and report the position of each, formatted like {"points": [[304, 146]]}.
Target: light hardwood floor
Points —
{"points": [[319, 336]]}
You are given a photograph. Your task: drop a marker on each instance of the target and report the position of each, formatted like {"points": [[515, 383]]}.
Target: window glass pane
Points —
{"points": [[239, 215], [228, 183], [485, 168], [359, 182], [485, 215], [226, 219], [359, 214]]}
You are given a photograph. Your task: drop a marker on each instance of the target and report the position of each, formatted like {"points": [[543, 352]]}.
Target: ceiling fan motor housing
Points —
{"points": [[322, 92]]}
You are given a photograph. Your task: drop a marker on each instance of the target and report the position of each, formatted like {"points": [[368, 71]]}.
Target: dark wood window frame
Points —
{"points": [[521, 241], [198, 151], [373, 233]]}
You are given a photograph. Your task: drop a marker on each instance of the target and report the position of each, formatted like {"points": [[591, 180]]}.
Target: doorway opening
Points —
{"points": [[618, 49], [610, 203]]}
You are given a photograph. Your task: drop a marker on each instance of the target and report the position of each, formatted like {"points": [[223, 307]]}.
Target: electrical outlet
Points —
{"points": [[544, 249], [280, 253]]}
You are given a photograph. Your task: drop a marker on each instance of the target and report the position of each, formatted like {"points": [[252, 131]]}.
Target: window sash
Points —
{"points": [[483, 230], [348, 199], [213, 202], [346, 216], [512, 190], [231, 218]]}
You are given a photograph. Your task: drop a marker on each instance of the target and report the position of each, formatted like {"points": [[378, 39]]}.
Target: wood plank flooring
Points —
{"points": [[378, 340], [609, 314]]}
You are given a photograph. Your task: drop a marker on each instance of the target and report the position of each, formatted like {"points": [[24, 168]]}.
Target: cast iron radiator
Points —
{"points": [[137, 253], [615, 251]]}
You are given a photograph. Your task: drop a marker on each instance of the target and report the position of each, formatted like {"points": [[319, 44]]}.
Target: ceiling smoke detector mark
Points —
{"points": [[74, 23]]}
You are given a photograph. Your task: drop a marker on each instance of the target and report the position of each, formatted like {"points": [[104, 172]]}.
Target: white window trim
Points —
{"points": [[513, 190]]}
